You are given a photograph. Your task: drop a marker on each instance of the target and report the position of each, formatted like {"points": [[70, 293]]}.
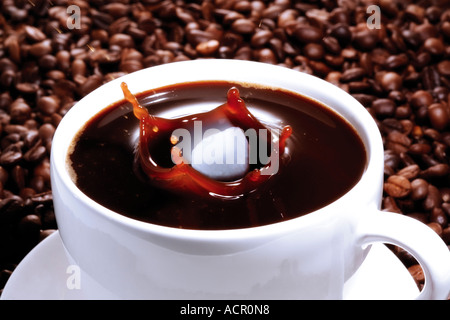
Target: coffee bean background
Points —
{"points": [[400, 71]]}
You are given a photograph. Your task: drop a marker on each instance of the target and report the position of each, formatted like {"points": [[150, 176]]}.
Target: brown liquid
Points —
{"points": [[324, 158], [182, 177]]}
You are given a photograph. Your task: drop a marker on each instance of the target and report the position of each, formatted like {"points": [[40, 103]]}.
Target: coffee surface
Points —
{"points": [[324, 158]]}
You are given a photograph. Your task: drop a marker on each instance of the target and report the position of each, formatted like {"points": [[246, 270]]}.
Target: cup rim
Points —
{"points": [[313, 87]]}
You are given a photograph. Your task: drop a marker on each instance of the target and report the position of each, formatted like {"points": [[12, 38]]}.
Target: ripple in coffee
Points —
{"points": [[319, 157]]}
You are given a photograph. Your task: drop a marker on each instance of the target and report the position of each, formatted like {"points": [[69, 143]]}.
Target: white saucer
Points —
{"points": [[44, 274]]}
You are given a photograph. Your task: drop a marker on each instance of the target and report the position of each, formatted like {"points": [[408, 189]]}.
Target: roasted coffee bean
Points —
{"points": [[278, 48], [261, 37], [403, 112], [20, 111], [430, 78], [391, 159], [116, 9], [358, 86], [10, 206], [334, 61], [27, 88], [417, 273], [352, 74], [399, 142], [396, 61], [407, 126], [415, 12], [48, 104], [421, 98], [46, 132], [390, 205], [384, 107], [3, 175], [439, 116], [13, 48], [121, 40], [342, 33], [397, 186], [434, 46], [35, 153], [391, 81], [410, 172], [78, 67], [37, 183], [419, 189], [208, 48], [446, 138], [425, 31], [29, 227], [441, 93], [388, 171], [266, 55], [443, 68], [34, 34], [11, 155], [331, 44], [391, 124], [244, 53], [433, 199], [8, 78], [307, 34], [445, 192], [437, 170], [243, 26], [41, 48], [433, 134], [314, 51], [10, 138], [47, 62], [421, 60], [63, 60], [419, 148], [365, 40], [436, 227], [438, 216], [18, 175], [92, 83]]}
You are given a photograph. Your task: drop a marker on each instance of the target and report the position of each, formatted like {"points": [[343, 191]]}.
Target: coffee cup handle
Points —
{"points": [[416, 238]]}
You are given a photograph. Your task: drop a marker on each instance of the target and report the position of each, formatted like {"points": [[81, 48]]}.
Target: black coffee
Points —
{"points": [[324, 158]]}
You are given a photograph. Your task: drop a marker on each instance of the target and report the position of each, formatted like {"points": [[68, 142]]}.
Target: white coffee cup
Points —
{"points": [[309, 257]]}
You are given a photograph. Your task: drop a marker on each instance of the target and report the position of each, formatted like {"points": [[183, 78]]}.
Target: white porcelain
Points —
{"points": [[43, 275], [309, 257]]}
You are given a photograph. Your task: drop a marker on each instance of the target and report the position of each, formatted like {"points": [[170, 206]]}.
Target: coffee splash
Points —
{"points": [[181, 176]]}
